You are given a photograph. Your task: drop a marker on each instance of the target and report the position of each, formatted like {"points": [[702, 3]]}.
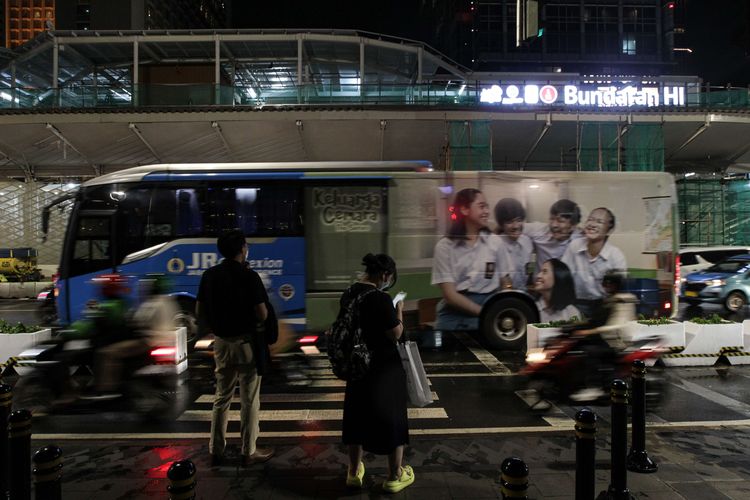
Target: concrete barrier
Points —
{"points": [[12, 344], [17, 290], [704, 344]]}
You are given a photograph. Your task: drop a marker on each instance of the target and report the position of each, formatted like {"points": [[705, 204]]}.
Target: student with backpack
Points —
{"points": [[375, 416]]}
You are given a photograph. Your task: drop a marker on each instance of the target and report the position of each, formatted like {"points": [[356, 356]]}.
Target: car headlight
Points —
{"points": [[717, 282]]}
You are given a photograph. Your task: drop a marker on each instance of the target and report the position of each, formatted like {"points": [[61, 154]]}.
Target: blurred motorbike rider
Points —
{"points": [[602, 336], [156, 315], [109, 328]]}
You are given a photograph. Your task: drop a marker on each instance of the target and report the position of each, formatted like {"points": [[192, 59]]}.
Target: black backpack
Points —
{"points": [[347, 351]]}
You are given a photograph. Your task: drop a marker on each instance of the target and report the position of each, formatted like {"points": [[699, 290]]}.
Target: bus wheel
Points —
{"points": [[735, 301], [504, 323], [186, 317]]}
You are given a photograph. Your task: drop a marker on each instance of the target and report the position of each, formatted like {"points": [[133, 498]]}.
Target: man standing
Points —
{"points": [[232, 304]]}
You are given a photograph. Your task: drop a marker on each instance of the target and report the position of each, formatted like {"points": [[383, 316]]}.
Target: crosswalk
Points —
{"points": [[318, 404]]}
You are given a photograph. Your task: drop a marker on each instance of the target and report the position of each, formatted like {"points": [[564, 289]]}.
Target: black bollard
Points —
{"points": [[48, 464], [514, 477], [19, 434], [638, 459], [585, 454], [6, 398], [181, 477], [618, 486]]}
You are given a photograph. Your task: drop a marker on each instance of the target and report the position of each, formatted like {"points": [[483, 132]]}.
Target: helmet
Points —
{"points": [[157, 284], [112, 285]]}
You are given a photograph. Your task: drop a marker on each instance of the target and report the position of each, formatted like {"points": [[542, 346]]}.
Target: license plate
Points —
{"points": [[691, 294]]}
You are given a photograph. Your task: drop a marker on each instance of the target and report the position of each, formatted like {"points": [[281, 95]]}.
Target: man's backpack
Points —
{"points": [[347, 351]]}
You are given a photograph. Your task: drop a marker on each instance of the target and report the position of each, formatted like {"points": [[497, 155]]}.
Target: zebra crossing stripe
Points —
{"points": [[305, 414], [320, 397], [484, 356]]}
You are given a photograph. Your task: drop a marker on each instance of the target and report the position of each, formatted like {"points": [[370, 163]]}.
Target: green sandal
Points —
{"points": [[407, 478], [356, 480]]}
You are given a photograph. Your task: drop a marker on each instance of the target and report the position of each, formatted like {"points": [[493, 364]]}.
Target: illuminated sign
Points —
{"points": [[596, 97]]}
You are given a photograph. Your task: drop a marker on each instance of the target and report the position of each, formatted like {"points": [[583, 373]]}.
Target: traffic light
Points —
{"points": [[527, 21]]}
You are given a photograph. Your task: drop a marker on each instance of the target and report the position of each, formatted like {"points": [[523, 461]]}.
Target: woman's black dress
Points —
{"points": [[375, 406]]}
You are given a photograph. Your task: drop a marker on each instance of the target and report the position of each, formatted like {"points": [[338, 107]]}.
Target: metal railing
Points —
{"points": [[315, 94]]}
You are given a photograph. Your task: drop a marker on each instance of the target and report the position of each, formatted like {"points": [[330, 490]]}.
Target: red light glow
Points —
{"points": [[163, 351], [308, 339]]}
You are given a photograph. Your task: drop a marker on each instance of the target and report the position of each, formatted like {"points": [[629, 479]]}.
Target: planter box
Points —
{"points": [[670, 335], [703, 343], [538, 337], [13, 344], [673, 333]]}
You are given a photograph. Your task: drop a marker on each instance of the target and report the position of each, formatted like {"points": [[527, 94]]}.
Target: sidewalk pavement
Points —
{"points": [[699, 463]]}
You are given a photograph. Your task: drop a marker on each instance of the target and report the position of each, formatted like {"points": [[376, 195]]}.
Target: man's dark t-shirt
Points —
{"points": [[228, 294]]}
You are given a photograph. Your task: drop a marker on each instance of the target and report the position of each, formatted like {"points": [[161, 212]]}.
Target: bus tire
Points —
{"points": [[504, 323], [186, 317]]}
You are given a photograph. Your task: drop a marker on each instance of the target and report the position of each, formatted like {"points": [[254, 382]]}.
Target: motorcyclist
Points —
{"points": [[602, 337]]}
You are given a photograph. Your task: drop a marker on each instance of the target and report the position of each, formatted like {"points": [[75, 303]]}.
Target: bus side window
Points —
{"points": [[92, 250]]}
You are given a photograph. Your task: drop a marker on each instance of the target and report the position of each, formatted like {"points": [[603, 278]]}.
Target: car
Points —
{"points": [[726, 282], [694, 259]]}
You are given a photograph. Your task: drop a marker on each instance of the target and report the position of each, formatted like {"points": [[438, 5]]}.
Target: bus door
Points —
{"points": [[91, 252], [345, 219]]}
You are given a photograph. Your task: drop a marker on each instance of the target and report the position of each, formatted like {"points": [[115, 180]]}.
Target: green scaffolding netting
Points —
{"points": [[469, 145], [608, 147], [714, 211]]}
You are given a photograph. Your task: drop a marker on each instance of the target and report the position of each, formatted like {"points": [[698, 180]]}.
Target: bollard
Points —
{"points": [[638, 459], [585, 454], [618, 486], [514, 477], [48, 464], [181, 477], [19, 439], [6, 398]]}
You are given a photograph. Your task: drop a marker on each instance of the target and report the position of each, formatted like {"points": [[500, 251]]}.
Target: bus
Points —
{"points": [[309, 224]]}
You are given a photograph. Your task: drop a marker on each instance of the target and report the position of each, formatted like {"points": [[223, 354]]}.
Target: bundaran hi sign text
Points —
{"points": [[572, 95]]}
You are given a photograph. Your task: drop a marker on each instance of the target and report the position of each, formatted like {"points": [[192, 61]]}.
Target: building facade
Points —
{"points": [[588, 37], [25, 19], [140, 14]]}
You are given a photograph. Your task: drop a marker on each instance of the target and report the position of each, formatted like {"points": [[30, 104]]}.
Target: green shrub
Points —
{"points": [[558, 324], [19, 327], [714, 319], [643, 320]]}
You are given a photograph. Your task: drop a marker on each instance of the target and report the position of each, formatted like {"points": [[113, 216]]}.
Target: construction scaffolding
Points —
{"points": [[714, 211], [616, 147], [469, 145]]}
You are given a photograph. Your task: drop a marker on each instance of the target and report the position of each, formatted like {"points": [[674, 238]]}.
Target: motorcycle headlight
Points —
{"points": [[536, 357], [717, 282]]}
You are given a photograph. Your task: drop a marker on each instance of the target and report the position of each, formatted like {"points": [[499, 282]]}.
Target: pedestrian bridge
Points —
{"points": [[76, 104]]}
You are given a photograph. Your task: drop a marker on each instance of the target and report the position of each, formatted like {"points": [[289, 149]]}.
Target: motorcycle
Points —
{"points": [[561, 369], [56, 377]]}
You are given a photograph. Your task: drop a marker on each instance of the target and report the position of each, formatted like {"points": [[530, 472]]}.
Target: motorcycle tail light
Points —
{"points": [[308, 339], [162, 354]]}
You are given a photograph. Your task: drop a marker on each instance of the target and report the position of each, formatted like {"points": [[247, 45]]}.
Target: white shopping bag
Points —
{"points": [[417, 385]]}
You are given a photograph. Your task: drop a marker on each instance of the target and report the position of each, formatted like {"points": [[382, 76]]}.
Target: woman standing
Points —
{"points": [[375, 417], [556, 290], [467, 265]]}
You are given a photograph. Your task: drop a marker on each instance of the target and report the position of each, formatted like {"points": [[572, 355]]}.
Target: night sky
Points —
{"points": [[391, 17]]}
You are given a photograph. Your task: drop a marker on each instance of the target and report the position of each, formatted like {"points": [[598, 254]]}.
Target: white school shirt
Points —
{"points": [[546, 314], [519, 253], [473, 268], [588, 272], [545, 246]]}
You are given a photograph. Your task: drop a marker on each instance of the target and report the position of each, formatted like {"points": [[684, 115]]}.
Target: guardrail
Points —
{"points": [[445, 94]]}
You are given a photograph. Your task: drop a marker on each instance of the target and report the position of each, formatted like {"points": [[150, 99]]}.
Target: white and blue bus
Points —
{"points": [[309, 224]]}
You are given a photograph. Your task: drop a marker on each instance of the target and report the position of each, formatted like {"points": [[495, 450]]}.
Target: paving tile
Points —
{"points": [[646, 482], [698, 491], [676, 472]]}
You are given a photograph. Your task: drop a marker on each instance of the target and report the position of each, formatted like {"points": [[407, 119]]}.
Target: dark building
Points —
{"points": [[140, 14], [604, 36], [25, 19]]}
